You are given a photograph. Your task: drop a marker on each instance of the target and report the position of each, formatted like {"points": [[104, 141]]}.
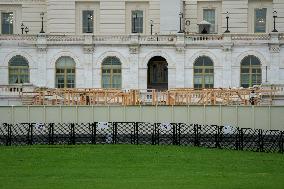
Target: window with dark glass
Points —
{"points": [[137, 21], [209, 16], [65, 73], [203, 73], [88, 21], [111, 73], [18, 70], [7, 20], [250, 72], [260, 20]]}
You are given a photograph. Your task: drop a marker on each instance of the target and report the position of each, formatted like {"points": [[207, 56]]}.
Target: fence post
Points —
{"points": [[157, 136], [218, 136], [241, 139], [281, 143], [238, 139], [93, 132], [260, 140], [51, 134], [196, 135], [136, 133], [9, 134], [72, 133], [179, 126], [114, 132], [173, 134], [30, 133], [154, 133]]}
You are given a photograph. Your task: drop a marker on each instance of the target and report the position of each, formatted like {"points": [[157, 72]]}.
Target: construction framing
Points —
{"points": [[184, 96]]}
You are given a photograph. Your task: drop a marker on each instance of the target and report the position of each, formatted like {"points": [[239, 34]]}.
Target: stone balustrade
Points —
{"points": [[18, 37], [140, 39], [115, 38], [201, 38], [65, 38], [11, 90], [250, 37]]}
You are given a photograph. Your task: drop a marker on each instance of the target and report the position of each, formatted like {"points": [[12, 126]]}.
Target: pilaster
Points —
{"points": [[227, 60], [180, 61], [88, 49], [274, 68], [41, 78]]}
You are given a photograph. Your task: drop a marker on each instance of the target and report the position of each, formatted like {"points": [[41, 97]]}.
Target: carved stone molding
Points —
{"points": [[227, 47], [180, 49], [274, 48], [133, 49], [88, 49], [42, 48]]}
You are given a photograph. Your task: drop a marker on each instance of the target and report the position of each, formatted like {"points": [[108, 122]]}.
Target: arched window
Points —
{"points": [[203, 73], [65, 72], [111, 73], [19, 70], [250, 71]]}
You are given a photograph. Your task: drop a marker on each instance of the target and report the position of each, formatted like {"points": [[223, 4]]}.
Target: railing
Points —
{"points": [[157, 38], [51, 39], [200, 38], [210, 136], [148, 97], [249, 37], [18, 37], [111, 38], [11, 90], [140, 39], [277, 88]]}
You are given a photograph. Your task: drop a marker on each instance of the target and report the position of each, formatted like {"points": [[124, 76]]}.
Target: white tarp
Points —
{"points": [[166, 126]]}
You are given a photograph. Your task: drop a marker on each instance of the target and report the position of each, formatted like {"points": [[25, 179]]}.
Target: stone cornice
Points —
{"points": [[21, 1]]}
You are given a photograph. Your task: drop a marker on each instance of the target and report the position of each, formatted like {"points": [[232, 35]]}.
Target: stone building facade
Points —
{"points": [[108, 43]]}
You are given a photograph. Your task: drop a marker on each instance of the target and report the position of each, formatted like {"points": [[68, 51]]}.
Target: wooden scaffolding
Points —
{"points": [[183, 96]]}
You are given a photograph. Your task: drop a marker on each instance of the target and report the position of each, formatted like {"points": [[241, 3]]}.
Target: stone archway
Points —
{"points": [[157, 73]]}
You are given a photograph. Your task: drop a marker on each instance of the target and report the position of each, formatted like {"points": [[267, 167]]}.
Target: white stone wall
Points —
{"points": [[112, 17], [169, 11], [226, 56]]}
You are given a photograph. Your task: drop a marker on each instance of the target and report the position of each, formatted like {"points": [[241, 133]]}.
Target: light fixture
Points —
{"points": [[274, 18], [42, 15], [151, 24], [180, 22], [22, 28], [227, 18], [90, 18], [27, 30]]}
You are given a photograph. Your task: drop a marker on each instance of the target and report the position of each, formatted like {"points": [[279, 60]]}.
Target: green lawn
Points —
{"points": [[131, 166]]}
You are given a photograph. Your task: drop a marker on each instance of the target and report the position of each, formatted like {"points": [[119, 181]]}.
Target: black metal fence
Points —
{"points": [[211, 136]]}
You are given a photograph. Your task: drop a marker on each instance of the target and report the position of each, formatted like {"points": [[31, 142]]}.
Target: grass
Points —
{"points": [[137, 167]]}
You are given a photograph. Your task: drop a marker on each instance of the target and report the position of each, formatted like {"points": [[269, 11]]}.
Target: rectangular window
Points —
{"points": [[88, 21], [209, 16], [7, 22], [260, 20], [137, 21]]}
